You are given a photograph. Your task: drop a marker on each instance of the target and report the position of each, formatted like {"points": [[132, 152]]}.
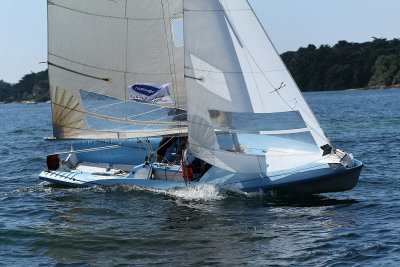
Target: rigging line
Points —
{"points": [[109, 80], [121, 128], [89, 149], [120, 143], [264, 75], [165, 143], [146, 145], [184, 82], [167, 131], [104, 106], [126, 51], [144, 113], [173, 59], [140, 148], [149, 134], [129, 117], [123, 120], [177, 123], [175, 84], [158, 120], [168, 45]]}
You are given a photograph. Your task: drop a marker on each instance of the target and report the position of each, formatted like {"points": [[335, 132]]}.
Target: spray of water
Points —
{"points": [[199, 192]]}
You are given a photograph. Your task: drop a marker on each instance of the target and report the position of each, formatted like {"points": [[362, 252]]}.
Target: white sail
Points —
{"points": [[97, 49], [245, 112]]}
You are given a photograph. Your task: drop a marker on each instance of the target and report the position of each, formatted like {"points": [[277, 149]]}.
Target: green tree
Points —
{"points": [[345, 65], [396, 79], [384, 70], [33, 86]]}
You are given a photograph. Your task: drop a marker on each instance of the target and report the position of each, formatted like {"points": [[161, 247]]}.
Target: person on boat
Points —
{"points": [[192, 167], [166, 142]]}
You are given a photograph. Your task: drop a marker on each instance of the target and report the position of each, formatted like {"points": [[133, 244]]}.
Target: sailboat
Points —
{"points": [[126, 74]]}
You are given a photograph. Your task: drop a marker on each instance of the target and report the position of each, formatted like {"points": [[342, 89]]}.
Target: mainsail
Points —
{"points": [[97, 50], [245, 112]]}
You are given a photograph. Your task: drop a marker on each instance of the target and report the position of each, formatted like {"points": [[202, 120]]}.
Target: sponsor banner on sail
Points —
{"points": [[151, 93]]}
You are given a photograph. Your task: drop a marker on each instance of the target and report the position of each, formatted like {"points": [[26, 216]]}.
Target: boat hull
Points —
{"points": [[335, 182], [308, 179]]}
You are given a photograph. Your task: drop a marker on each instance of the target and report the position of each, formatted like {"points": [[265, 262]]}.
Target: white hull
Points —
{"points": [[310, 178]]}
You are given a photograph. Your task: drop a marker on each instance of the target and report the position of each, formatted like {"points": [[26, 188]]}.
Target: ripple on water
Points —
{"points": [[43, 224]]}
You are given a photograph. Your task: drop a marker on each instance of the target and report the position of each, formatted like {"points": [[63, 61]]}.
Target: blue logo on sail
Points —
{"points": [[151, 93]]}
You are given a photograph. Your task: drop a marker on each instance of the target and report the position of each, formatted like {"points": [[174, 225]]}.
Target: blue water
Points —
{"points": [[48, 225]]}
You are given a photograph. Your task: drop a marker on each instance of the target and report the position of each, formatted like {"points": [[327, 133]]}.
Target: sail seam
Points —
{"points": [[277, 132], [258, 155], [236, 72], [325, 138], [236, 32], [259, 68], [217, 150], [113, 17]]}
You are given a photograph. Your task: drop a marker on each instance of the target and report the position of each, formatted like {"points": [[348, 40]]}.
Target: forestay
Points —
{"points": [[97, 49], [245, 112]]}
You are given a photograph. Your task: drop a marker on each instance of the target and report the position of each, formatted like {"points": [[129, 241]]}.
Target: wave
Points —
{"points": [[198, 193]]}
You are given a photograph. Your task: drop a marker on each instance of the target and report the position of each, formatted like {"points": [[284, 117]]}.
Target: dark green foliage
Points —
{"points": [[34, 86], [386, 71], [346, 65]]}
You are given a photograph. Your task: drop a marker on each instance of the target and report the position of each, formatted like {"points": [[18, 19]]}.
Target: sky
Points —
{"points": [[290, 24]]}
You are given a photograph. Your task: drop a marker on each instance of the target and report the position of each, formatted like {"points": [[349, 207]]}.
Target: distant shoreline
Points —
{"points": [[23, 102], [397, 86]]}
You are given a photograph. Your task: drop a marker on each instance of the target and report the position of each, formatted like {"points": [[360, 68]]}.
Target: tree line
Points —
{"points": [[374, 64], [32, 87]]}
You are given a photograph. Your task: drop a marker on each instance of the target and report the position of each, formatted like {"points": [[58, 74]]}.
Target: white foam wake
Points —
{"points": [[204, 192]]}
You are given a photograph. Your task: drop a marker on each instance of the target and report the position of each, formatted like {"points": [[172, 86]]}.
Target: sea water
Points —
{"points": [[42, 224]]}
